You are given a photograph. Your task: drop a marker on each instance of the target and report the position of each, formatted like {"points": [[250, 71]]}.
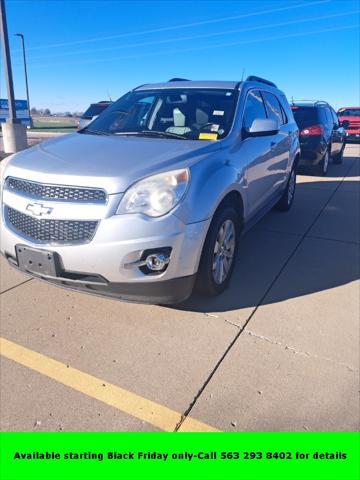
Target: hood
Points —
{"points": [[109, 162]]}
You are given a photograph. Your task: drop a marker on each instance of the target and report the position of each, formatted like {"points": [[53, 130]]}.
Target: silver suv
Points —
{"points": [[150, 199]]}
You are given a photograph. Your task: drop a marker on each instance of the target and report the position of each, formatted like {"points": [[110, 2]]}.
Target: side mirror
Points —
{"points": [[263, 126], [344, 123]]}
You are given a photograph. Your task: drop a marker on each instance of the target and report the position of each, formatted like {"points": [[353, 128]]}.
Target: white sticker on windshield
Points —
{"points": [[218, 112], [214, 127]]}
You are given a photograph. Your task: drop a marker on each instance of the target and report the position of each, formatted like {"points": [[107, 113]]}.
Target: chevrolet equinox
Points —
{"points": [[149, 200]]}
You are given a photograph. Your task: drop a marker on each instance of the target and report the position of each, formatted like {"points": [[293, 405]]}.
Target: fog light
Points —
{"points": [[157, 262], [153, 261]]}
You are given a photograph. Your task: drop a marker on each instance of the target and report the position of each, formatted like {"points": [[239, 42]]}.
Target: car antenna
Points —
{"points": [[243, 73], [108, 94]]}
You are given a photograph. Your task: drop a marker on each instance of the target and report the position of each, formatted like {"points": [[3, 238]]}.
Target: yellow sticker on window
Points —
{"points": [[208, 136]]}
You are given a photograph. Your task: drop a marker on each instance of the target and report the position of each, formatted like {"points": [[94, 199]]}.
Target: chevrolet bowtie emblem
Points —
{"points": [[38, 209]]}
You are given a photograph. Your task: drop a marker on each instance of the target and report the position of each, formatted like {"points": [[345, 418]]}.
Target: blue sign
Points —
{"points": [[21, 107]]}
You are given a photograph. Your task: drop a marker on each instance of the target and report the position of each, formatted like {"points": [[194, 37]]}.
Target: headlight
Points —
{"points": [[156, 195]]}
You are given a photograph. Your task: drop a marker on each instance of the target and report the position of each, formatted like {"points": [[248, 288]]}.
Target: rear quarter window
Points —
{"points": [[286, 107], [273, 107], [328, 117]]}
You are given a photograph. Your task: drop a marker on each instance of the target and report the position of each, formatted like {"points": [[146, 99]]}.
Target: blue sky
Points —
{"points": [[82, 51]]}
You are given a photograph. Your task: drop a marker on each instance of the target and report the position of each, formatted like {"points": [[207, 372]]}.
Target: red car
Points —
{"points": [[349, 117]]}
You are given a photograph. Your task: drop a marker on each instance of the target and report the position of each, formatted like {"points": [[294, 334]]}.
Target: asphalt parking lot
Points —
{"points": [[278, 351]]}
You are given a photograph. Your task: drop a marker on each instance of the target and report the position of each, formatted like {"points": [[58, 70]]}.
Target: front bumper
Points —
{"points": [[172, 291], [353, 135], [101, 266]]}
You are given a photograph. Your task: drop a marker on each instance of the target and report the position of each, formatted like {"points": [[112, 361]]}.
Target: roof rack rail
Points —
{"points": [[176, 79], [315, 102], [139, 86], [322, 101], [254, 78]]}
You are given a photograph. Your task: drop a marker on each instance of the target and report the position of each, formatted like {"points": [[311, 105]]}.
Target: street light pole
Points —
{"points": [[14, 132], [26, 76], [7, 64]]}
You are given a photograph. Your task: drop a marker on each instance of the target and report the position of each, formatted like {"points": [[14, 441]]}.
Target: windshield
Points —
{"points": [[193, 114], [349, 112]]}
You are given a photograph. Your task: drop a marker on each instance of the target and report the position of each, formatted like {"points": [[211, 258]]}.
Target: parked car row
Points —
{"points": [[148, 201]]}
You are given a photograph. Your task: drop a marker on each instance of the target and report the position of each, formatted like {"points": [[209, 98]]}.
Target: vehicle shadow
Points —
{"points": [[278, 261]]}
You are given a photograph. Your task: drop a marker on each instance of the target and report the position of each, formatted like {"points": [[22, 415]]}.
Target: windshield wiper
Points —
{"points": [[93, 132], [141, 133], [153, 133]]}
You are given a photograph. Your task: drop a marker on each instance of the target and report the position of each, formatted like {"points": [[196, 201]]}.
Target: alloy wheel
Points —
{"points": [[326, 162], [291, 187], [224, 249]]}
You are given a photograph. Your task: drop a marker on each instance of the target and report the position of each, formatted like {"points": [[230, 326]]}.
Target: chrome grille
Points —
{"points": [[50, 231], [55, 192]]}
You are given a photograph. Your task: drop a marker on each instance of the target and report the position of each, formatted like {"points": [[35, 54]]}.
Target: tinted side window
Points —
{"points": [[285, 105], [254, 108], [328, 116], [273, 107], [334, 117], [322, 117], [284, 117]]}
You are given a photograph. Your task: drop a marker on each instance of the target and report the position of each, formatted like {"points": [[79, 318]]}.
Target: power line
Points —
{"points": [[194, 37], [177, 27], [206, 47]]}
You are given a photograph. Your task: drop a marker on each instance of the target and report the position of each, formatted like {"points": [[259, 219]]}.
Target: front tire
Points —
{"points": [[219, 252]]}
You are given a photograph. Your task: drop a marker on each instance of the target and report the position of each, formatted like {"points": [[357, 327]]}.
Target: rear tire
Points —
{"points": [[285, 202], [219, 253], [339, 156], [323, 166]]}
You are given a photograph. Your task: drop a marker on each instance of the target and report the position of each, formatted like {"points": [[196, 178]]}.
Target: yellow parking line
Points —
{"points": [[151, 412]]}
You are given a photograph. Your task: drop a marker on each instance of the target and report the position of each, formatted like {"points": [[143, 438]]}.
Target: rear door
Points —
{"points": [[280, 143], [329, 129]]}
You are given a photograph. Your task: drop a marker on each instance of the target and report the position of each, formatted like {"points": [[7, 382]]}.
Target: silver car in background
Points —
{"points": [[150, 199], [92, 112]]}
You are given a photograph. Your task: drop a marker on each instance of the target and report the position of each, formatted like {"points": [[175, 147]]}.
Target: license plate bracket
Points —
{"points": [[37, 261]]}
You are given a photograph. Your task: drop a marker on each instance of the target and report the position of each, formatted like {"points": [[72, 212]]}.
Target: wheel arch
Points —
{"points": [[234, 199]]}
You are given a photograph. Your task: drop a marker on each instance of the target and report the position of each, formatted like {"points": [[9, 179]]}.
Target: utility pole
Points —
{"points": [[26, 75], [14, 133]]}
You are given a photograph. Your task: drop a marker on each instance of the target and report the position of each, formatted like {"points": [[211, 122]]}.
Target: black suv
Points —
{"points": [[321, 135]]}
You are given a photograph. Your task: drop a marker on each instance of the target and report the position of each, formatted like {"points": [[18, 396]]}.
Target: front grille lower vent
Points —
{"points": [[50, 231], [44, 191]]}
